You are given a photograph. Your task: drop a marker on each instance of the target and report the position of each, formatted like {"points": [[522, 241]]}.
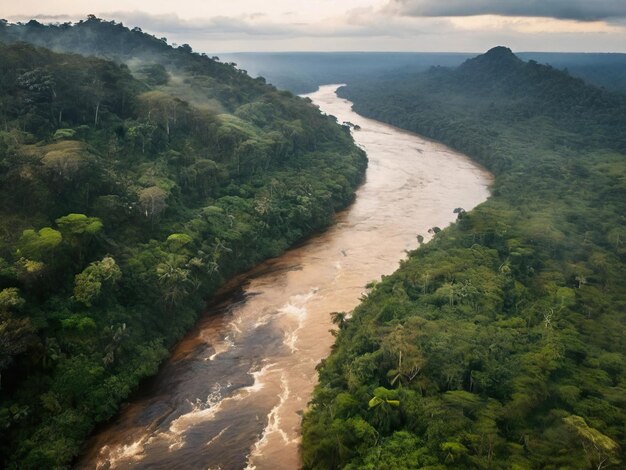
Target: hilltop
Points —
{"points": [[490, 95]]}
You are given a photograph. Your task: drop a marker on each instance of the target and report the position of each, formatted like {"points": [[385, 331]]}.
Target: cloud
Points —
{"points": [[371, 28], [252, 24], [355, 23], [533, 25], [581, 10], [44, 18], [247, 24]]}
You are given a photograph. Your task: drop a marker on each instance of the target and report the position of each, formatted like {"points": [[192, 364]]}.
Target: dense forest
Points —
{"points": [[129, 191], [606, 70], [303, 72], [502, 342]]}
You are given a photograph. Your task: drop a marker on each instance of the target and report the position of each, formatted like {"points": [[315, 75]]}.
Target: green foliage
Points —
{"points": [[39, 244], [503, 338], [179, 240], [60, 134], [10, 299], [601, 451], [77, 225], [88, 284], [129, 195], [155, 74]]}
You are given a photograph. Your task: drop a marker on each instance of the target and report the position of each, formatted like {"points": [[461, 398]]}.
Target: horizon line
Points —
{"points": [[410, 52]]}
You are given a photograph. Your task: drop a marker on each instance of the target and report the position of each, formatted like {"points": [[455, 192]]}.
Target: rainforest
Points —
{"points": [[124, 207], [499, 344], [177, 234]]}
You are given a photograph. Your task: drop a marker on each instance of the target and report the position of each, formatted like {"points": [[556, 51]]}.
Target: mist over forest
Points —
{"points": [[303, 72], [138, 177], [130, 191]]}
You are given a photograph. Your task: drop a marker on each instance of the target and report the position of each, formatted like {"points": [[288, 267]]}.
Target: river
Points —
{"points": [[233, 392]]}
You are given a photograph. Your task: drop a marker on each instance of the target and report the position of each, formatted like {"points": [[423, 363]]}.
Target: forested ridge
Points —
{"points": [[129, 191], [500, 343], [303, 72]]}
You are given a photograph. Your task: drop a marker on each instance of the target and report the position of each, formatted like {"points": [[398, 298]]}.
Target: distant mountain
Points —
{"points": [[497, 60], [303, 72], [299, 72], [496, 88], [500, 70]]}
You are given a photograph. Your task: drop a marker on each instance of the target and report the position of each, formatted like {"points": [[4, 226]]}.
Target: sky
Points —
{"points": [[215, 26]]}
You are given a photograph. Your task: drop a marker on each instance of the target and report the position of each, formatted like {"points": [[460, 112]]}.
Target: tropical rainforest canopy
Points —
{"points": [[133, 183], [129, 190], [502, 342]]}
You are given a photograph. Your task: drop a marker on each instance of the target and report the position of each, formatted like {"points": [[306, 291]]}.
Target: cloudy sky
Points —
{"points": [[343, 25]]}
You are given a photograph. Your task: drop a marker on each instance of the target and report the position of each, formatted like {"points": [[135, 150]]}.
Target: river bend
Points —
{"points": [[233, 392]]}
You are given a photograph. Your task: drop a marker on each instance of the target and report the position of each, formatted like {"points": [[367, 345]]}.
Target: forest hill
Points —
{"points": [[127, 199], [499, 344]]}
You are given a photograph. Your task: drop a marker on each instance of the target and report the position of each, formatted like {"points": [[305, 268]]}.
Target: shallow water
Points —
{"points": [[233, 392]]}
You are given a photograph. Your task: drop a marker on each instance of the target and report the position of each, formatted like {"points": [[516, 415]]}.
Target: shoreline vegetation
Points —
{"points": [[135, 181], [499, 344], [132, 187]]}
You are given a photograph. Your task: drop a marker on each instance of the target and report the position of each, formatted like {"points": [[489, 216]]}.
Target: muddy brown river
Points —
{"points": [[233, 392]]}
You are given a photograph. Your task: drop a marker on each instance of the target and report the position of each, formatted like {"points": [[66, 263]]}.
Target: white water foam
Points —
{"points": [[215, 438], [273, 425], [262, 321], [258, 375], [236, 323], [134, 451], [221, 347], [296, 308], [203, 411]]}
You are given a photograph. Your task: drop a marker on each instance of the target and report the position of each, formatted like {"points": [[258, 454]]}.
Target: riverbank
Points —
{"points": [[234, 390], [500, 343]]}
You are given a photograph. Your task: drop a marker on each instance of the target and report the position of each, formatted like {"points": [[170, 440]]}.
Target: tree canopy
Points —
{"points": [[499, 344], [126, 199]]}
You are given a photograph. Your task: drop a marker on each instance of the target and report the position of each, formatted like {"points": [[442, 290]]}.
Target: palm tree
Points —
{"points": [[339, 319], [383, 405], [174, 281]]}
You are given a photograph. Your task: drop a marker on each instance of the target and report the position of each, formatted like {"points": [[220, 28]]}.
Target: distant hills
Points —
{"points": [[299, 72], [303, 72], [495, 90], [607, 70], [500, 343]]}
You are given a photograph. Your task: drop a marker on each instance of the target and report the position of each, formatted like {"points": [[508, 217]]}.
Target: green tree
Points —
{"points": [[39, 245], [383, 406], [88, 284], [152, 201], [174, 280], [601, 450], [79, 230]]}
